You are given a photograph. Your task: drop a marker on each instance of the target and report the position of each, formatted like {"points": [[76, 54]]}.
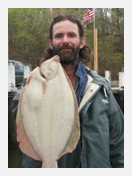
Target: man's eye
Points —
{"points": [[58, 36], [72, 35]]}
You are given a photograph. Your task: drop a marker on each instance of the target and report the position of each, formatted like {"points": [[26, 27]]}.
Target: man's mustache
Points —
{"points": [[66, 47]]}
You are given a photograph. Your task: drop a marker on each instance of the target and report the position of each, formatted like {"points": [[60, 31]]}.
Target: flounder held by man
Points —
{"points": [[47, 118]]}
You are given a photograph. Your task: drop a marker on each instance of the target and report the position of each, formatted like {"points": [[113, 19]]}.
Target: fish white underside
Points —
{"points": [[49, 118]]}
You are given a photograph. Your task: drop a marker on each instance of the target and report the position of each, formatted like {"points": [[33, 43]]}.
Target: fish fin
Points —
{"points": [[28, 80], [24, 143]]}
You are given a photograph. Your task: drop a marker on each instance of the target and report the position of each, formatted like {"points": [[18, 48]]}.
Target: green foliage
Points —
{"points": [[28, 34]]}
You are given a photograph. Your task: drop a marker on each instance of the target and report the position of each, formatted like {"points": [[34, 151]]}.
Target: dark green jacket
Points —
{"points": [[102, 130]]}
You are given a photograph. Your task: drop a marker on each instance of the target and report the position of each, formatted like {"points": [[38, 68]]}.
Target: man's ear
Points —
{"points": [[82, 42], [50, 44]]}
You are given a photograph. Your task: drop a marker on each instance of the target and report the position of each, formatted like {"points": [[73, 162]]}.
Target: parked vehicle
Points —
{"points": [[19, 71], [17, 75]]}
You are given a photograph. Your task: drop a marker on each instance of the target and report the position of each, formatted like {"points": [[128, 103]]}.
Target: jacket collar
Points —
{"points": [[90, 90], [99, 80], [95, 82]]}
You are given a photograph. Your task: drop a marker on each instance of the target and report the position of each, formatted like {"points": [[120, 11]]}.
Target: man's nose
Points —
{"points": [[65, 39]]}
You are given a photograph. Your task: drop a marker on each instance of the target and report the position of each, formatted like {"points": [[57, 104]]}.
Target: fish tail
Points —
{"points": [[52, 164]]}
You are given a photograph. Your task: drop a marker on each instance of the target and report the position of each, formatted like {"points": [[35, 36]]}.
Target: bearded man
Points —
{"points": [[101, 144]]}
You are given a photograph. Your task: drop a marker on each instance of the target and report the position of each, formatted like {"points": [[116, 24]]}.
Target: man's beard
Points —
{"points": [[67, 54]]}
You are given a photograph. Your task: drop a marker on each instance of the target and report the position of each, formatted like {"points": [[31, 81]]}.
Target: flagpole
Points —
{"points": [[95, 46], [51, 12], [94, 20]]}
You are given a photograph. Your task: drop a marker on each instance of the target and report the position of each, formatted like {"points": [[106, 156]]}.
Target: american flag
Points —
{"points": [[88, 15]]}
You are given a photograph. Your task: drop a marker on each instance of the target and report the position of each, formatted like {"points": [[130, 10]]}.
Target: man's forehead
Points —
{"points": [[65, 26]]}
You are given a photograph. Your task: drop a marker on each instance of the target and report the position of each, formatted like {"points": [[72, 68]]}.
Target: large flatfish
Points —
{"points": [[47, 117]]}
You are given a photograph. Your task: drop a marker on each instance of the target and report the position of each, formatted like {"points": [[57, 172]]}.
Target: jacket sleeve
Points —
{"points": [[116, 130]]}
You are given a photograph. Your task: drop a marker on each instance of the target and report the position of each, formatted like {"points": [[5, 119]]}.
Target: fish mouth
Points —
{"points": [[42, 73]]}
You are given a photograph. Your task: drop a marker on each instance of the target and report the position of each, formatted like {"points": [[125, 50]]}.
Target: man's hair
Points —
{"points": [[63, 18], [84, 54]]}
